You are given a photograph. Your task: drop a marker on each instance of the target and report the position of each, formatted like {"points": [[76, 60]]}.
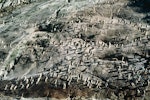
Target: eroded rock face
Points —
{"points": [[74, 49]]}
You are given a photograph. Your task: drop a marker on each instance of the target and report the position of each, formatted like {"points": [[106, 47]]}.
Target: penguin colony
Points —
{"points": [[82, 56]]}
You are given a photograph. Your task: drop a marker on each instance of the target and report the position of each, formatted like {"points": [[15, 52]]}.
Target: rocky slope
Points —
{"points": [[75, 49]]}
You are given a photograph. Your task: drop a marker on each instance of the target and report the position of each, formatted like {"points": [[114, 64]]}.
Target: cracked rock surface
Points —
{"points": [[74, 49]]}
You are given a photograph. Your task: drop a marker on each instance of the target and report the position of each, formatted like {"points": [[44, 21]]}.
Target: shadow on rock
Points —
{"points": [[141, 6]]}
